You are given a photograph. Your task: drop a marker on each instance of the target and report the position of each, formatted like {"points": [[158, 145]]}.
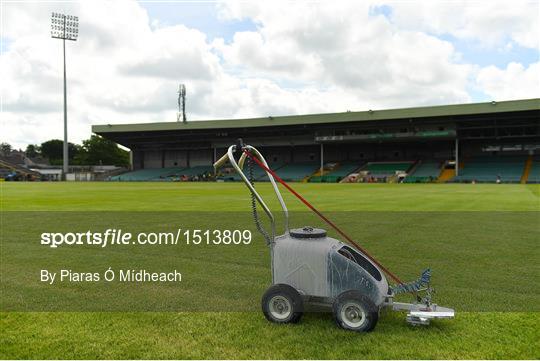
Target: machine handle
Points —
{"points": [[221, 161], [238, 166], [242, 160]]}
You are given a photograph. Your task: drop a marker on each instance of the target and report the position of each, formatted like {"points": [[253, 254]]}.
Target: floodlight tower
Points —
{"points": [[65, 27], [181, 103]]}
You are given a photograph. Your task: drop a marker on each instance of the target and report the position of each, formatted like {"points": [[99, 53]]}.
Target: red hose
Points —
{"points": [[316, 211]]}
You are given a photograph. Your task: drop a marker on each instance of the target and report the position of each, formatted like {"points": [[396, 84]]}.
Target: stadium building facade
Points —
{"points": [[484, 142]]}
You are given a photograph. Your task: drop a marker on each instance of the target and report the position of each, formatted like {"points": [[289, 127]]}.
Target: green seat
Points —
{"points": [[486, 169]]}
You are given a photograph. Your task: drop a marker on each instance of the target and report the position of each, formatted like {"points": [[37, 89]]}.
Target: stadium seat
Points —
{"points": [[333, 176], [297, 171], [163, 174], [197, 170], [386, 169], [154, 174], [258, 173], [534, 173], [288, 172], [427, 171], [486, 169]]}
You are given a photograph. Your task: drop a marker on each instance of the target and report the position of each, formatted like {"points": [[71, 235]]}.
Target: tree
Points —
{"points": [[5, 148], [32, 150], [94, 151], [98, 150], [53, 150]]}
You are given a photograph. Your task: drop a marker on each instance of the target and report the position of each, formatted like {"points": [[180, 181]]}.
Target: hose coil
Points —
{"points": [[254, 212]]}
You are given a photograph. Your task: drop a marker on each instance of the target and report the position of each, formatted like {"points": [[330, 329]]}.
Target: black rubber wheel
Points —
{"points": [[356, 312], [282, 303]]}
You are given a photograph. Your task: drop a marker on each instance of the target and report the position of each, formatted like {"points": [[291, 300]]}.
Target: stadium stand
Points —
{"points": [[489, 168], [297, 171], [383, 170], [164, 174], [387, 168], [10, 170], [258, 173], [393, 140], [534, 172], [426, 171], [197, 170], [335, 175], [146, 174]]}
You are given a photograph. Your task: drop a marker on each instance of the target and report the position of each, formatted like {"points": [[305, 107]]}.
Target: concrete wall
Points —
{"points": [[152, 159], [175, 158], [200, 157]]}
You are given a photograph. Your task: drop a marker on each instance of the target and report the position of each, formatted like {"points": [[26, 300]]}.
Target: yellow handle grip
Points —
{"points": [[242, 160], [221, 161]]}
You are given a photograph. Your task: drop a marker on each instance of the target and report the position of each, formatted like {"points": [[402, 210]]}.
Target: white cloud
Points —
{"points": [[491, 23], [120, 70], [303, 57], [513, 82], [340, 45]]}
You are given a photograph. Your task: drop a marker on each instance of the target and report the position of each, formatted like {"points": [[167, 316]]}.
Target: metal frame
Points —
{"points": [[238, 166], [419, 313]]}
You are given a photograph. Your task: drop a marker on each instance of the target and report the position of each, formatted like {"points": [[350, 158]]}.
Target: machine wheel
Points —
{"points": [[356, 312], [282, 303]]}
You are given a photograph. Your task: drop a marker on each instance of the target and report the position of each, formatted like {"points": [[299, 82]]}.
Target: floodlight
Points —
{"points": [[65, 27]]}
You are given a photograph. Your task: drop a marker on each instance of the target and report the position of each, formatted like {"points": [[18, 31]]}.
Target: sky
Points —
{"points": [[241, 59]]}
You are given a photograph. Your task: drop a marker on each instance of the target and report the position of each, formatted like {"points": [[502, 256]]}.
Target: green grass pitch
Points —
{"points": [[485, 258]]}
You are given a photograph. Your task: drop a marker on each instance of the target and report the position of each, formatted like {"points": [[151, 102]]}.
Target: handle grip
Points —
{"points": [[221, 161], [242, 160]]}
